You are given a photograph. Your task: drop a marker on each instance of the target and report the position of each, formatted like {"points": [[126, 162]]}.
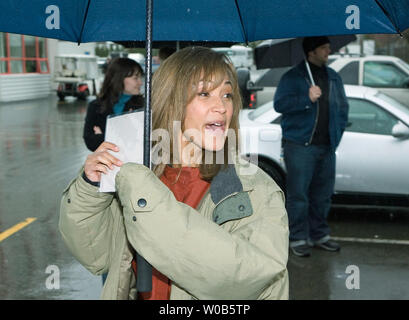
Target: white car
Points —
{"points": [[385, 73], [372, 158], [240, 56]]}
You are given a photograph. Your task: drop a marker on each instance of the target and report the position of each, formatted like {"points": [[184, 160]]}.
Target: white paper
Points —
{"points": [[126, 131]]}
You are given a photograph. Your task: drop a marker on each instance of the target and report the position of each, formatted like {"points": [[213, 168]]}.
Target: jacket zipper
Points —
{"points": [[316, 122], [226, 197], [199, 207]]}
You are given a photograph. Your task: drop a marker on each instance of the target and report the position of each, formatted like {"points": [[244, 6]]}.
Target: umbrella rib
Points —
{"points": [[389, 17], [241, 22], [83, 22]]}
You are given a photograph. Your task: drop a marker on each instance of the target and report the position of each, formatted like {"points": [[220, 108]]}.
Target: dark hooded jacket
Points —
{"points": [[95, 117]]}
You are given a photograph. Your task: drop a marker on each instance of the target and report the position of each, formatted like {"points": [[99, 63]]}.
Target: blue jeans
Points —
{"points": [[310, 185]]}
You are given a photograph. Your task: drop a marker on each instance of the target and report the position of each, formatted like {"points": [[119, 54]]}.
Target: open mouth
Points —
{"points": [[216, 126]]}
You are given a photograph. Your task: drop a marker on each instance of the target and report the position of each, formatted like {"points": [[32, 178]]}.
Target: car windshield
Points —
{"points": [[261, 110], [393, 102]]}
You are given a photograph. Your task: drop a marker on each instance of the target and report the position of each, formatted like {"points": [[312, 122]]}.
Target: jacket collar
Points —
{"points": [[228, 182]]}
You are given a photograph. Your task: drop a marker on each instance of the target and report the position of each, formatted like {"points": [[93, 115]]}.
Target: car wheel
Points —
{"points": [[275, 174], [83, 95], [61, 96]]}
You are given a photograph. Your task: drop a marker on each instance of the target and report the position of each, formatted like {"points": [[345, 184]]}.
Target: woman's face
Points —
{"points": [[208, 116], [132, 84]]}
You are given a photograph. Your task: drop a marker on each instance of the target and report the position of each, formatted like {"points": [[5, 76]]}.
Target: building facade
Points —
{"points": [[27, 65], [24, 67]]}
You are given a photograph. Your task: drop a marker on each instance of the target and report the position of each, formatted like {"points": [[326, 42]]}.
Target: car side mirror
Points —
{"points": [[400, 131]]}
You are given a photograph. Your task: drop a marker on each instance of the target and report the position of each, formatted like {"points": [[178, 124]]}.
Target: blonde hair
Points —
{"points": [[174, 87]]}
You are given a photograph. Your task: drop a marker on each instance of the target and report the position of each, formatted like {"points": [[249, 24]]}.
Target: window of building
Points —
{"points": [[23, 54], [3, 54]]}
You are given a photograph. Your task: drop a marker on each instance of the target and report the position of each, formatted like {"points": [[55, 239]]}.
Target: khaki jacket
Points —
{"points": [[234, 246]]}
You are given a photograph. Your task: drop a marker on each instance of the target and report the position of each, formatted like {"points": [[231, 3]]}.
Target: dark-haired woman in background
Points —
{"points": [[120, 93]]}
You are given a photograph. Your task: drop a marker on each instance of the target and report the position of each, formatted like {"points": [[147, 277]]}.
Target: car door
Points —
{"points": [[369, 158], [388, 77]]}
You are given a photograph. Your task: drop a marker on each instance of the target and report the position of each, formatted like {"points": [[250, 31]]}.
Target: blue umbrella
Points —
{"points": [[211, 20], [190, 20]]}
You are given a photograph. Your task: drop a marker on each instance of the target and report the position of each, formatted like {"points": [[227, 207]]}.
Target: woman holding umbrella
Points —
{"points": [[210, 229]]}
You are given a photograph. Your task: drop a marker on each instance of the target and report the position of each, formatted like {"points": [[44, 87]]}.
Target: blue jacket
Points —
{"points": [[300, 114]]}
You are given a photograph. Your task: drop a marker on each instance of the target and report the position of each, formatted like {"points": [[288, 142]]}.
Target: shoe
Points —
{"points": [[302, 250], [328, 245]]}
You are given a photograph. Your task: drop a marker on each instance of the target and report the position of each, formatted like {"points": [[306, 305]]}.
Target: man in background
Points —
{"points": [[313, 121]]}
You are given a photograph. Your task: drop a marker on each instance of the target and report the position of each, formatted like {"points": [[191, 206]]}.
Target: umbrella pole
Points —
{"points": [[309, 72], [144, 269]]}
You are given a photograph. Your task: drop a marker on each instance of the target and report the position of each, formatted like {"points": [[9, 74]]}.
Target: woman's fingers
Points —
{"points": [[108, 159], [107, 146], [101, 168], [97, 130], [105, 156], [99, 161]]}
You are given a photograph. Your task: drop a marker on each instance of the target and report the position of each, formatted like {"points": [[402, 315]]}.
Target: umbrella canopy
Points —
{"points": [[211, 20], [288, 52]]}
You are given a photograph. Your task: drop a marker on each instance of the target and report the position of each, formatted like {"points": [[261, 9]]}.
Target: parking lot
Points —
{"points": [[41, 150]]}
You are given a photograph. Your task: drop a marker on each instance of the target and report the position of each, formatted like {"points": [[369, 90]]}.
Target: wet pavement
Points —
{"points": [[41, 150], [375, 260]]}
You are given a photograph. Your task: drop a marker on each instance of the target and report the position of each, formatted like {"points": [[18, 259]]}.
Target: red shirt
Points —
{"points": [[189, 188]]}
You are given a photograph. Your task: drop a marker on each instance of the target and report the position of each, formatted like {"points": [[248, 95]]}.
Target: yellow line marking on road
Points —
{"points": [[16, 228]]}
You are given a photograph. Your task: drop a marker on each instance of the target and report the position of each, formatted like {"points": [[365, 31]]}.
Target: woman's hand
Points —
{"points": [[97, 130], [99, 161]]}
